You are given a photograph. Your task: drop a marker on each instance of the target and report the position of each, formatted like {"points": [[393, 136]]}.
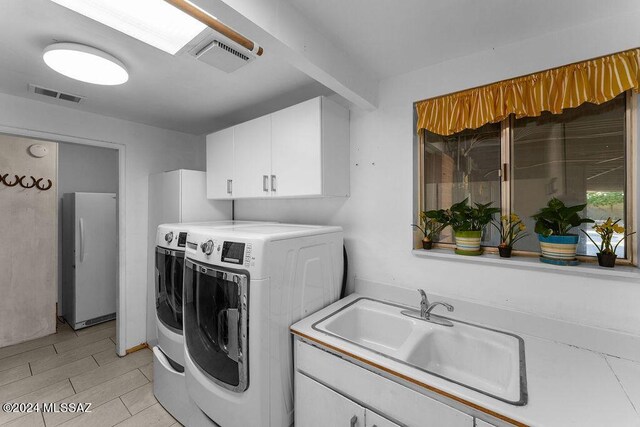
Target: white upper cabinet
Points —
{"points": [[296, 150], [252, 158], [301, 151], [220, 164]]}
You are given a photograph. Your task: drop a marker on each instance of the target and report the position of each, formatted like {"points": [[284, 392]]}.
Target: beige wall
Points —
{"points": [[28, 258]]}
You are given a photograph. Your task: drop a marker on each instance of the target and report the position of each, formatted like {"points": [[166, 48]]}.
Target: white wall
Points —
{"points": [[377, 216], [147, 150], [82, 168]]}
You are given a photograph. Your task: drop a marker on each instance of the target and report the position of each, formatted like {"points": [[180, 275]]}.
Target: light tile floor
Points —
{"points": [[80, 367]]}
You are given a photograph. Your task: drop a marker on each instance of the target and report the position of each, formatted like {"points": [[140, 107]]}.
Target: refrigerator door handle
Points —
{"points": [[81, 240]]}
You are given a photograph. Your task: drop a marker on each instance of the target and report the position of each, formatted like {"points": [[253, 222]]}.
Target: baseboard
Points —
{"points": [[137, 348]]}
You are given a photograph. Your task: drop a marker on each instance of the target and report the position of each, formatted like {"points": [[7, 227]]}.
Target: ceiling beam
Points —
{"points": [[282, 31]]}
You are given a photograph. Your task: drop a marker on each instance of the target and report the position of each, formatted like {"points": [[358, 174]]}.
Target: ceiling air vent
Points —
{"points": [[220, 55], [55, 94]]}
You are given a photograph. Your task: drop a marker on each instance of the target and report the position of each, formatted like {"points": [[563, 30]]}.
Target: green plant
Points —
{"points": [[429, 227], [606, 230], [605, 198], [558, 219], [511, 229], [462, 217]]}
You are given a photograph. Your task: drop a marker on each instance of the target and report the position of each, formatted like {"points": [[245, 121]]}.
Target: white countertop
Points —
{"points": [[567, 385]]}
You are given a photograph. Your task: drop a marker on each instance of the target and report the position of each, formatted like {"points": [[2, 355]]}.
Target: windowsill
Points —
{"points": [[532, 263]]}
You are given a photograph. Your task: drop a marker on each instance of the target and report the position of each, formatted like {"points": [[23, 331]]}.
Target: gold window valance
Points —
{"points": [[597, 81]]}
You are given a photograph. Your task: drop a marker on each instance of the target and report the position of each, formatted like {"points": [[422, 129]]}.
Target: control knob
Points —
{"points": [[207, 247], [168, 237]]}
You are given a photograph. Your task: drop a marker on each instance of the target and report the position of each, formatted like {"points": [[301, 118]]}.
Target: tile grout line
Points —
{"points": [[30, 368], [621, 385], [72, 387], [125, 406], [71, 361], [25, 351]]}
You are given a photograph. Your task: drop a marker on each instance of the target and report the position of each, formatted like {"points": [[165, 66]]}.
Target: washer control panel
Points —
{"points": [[226, 251], [233, 252]]}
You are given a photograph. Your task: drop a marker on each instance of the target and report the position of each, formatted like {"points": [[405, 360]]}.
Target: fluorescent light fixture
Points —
{"points": [[85, 63], [154, 22]]}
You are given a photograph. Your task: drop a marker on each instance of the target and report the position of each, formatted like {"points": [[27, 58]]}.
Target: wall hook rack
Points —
{"points": [[37, 183]]}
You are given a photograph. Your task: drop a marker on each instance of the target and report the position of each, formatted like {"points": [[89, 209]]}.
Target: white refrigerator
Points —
{"points": [[176, 196], [89, 258]]}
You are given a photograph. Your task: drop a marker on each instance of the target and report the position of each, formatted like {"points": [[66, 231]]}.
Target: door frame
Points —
{"points": [[121, 278]]}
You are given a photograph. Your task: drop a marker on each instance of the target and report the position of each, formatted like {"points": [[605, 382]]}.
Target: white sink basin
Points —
{"points": [[488, 361]]}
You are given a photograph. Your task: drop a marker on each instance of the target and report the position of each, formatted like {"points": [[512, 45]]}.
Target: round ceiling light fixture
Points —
{"points": [[85, 63]]}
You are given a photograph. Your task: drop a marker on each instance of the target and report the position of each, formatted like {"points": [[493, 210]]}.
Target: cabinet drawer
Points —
{"points": [[480, 423], [386, 397]]}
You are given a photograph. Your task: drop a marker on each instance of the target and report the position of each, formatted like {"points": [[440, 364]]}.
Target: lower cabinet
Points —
{"points": [[319, 406], [374, 420], [330, 391]]}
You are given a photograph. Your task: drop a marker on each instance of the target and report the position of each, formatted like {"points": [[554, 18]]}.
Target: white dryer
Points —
{"points": [[243, 287], [169, 380]]}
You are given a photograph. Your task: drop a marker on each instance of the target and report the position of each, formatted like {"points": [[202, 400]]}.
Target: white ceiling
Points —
{"points": [[177, 93], [386, 37], [392, 37]]}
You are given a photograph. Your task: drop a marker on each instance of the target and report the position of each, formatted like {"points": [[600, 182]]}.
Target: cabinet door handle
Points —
{"points": [[229, 186], [353, 421], [265, 182], [273, 183]]}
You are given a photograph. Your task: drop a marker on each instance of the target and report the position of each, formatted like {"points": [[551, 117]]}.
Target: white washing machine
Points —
{"points": [[243, 287], [169, 379]]}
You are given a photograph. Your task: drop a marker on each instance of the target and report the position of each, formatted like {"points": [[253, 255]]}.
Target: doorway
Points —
{"points": [[87, 231], [82, 150]]}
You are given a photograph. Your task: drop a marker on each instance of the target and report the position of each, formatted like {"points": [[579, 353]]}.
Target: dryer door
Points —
{"points": [[169, 273], [216, 326]]}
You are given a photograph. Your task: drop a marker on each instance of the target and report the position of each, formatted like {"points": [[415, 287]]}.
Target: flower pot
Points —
{"points": [[607, 260], [468, 242], [559, 250], [505, 251], [427, 244]]}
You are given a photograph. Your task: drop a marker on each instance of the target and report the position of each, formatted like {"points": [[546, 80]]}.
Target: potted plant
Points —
{"points": [[467, 223], [430, 229], [553, 224], [511, 229], [606, 250]]}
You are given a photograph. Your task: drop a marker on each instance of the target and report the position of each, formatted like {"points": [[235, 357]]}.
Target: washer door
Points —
{"points": [[216, 327], [169, 276]]}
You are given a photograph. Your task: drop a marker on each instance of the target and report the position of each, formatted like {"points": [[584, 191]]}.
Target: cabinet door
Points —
{"points": [[297, 150], [220, 164], [252, 158], [480, 423], [375, 420], [319, 406]]}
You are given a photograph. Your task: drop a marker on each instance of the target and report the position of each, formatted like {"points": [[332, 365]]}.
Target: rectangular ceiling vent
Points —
{"points": [[220, 55], [55, 94]]}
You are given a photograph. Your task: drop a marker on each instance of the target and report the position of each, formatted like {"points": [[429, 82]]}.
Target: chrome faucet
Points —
{"points": [[426, 308]]}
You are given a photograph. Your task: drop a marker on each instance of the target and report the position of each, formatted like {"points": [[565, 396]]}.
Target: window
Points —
{"points": [[463, 165], [579, 156]]}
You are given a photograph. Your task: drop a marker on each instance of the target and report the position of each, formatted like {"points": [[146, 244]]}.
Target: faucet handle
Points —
{"points": [[423, 295]]}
